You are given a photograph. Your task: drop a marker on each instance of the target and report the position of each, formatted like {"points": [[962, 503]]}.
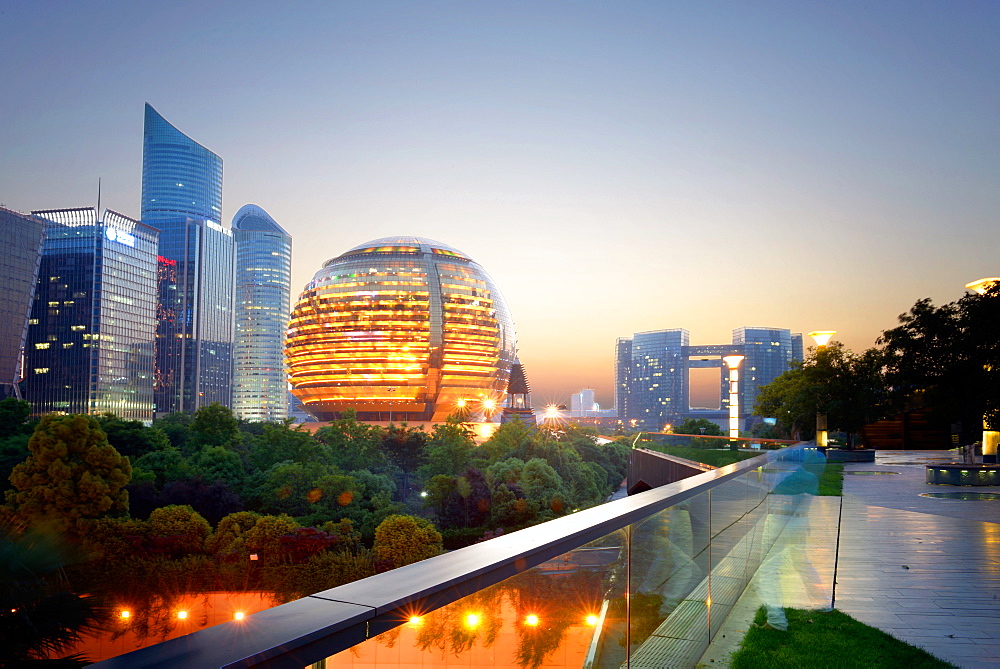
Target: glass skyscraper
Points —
{"points": [[655, 373], [20, 252], [263, 296], [91, 334], [180, 177], [182, 197]]}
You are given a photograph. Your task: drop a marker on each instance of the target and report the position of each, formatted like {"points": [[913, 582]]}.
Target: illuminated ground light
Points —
{"points": [[531, 620], [239, 615], [472, 620], [182, 615], [125, 615], [592, 620]]}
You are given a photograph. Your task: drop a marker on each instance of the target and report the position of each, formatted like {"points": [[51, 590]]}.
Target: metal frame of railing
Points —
{"points": [[307, 630]]}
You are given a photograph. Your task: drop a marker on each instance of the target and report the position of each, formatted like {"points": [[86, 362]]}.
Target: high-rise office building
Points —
{"points": [[20, 251], [91, 335], [263, 294], [182, 198], [661, 379]]}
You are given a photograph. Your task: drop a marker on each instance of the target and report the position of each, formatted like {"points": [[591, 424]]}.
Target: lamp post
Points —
{"points": [[822, 338], [990, 437], [733, 363], [391, 390]]}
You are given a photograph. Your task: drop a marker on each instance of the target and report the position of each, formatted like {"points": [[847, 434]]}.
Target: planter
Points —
{"points": [[957, 473], [846, 455]]}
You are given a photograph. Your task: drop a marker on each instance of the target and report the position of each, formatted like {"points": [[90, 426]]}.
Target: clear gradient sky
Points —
{"points": [[616, 166]]}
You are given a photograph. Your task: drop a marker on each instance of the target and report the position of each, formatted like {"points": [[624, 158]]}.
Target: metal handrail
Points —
{"points": [[307, 630]]}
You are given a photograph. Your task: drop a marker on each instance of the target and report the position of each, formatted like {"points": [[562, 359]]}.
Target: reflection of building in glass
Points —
{"points": [[182, 197], [92, 329], [400, 325], [19, 256], [661, 379], [263, 293]]}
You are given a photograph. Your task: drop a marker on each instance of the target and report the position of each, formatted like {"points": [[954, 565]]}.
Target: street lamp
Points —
{"points": [[822, 338], [990, 437], [733, 363]]}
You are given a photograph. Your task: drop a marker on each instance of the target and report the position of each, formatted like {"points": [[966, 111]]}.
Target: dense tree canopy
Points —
{"points": [[72, 472]]}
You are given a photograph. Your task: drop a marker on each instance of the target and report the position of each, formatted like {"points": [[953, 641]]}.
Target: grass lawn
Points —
{"points": [[706, 456], [831, 479], [831, 640]]}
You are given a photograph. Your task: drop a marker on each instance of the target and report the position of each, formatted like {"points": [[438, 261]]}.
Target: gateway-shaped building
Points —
{"points": [[400, 328]]}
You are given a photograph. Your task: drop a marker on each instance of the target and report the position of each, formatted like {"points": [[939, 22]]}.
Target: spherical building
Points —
{"points": [[400, 328]]}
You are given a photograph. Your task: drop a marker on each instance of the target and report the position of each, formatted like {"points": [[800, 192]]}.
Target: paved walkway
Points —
{"points": [[925, 570]]}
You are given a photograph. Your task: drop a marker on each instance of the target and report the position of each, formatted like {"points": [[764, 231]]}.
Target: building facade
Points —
{"points": [[91, 335], [661, 379], [400, 328], [263, 296], [182, 198], [20, 253]]}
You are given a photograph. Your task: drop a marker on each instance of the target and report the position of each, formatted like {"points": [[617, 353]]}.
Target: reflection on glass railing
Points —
{"points": [[650, 594]]}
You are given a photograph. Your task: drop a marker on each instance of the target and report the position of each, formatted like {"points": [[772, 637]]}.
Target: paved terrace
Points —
{"points": [[925, 570]]}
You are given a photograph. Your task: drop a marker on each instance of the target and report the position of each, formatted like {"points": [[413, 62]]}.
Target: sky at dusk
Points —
{"points": [[615, 166]]}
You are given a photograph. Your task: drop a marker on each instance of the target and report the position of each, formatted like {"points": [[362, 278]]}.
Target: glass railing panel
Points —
{"points": [[670, 557], [561, 613]]}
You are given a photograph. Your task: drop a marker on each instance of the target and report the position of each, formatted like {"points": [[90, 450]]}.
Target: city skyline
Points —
{"points": [[617, 168]]}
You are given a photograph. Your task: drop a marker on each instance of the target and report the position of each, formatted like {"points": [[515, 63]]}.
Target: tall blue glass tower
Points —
{"points": [[182, 197], [180, 177], [263, 295]]}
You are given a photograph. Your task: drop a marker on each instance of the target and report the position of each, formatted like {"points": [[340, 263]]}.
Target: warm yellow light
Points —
{"points": [[415, 620], [822, 337], [531, 620], [982, 285], [472, 620], [489, 404], [238, 615], [461, 404], [733, 361], [552, 411], [592, 620], [182, 615], [125, 614]]}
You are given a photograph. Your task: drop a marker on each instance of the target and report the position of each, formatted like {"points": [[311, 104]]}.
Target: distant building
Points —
{"points": [[182, 197], [263, 295], [660, 379], [20, 252], [91, 336]]}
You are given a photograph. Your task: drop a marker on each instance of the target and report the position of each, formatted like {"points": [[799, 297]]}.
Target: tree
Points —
{"points": [[352, 444], [178, 530], [448, 449], [13, 415], [72, 472], [405, 448], [849, 388], [948, 358], [39, 614], [130, 437], [401, 540], [696, 425], [215, 425]]}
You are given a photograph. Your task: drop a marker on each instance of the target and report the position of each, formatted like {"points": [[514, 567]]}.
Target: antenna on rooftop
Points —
{"points": [[98, 197]]}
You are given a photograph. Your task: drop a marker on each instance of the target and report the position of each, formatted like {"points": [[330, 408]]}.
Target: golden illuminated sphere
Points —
{"points": [[400, 328]]}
